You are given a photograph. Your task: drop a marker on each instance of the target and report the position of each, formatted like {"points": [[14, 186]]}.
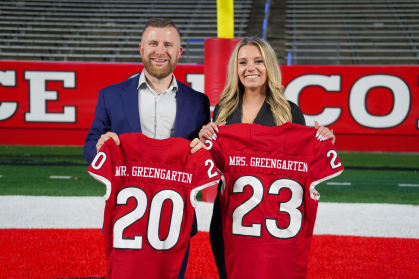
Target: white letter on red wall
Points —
{"points": [[196, 81], [39, 96], [358, 95], [329, 83], [7, 109]]}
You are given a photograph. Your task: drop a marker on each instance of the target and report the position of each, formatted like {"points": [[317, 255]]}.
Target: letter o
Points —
{"points": [[358, 95]]}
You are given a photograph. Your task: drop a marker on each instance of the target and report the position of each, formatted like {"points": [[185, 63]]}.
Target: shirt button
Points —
{"points": [[158, 98], [158, 137], [158, 116]]}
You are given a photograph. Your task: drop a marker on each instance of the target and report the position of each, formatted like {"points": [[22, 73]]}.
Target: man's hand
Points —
{"points": [[196, 144], [323, 133], [105, 137]]}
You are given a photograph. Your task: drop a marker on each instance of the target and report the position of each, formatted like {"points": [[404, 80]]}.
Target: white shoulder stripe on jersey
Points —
{"points": [[195, 191], [313, 193], [104, 181]]}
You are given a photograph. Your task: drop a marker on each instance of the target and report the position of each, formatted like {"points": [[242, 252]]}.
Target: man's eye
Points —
{"points": [[168, 45]]}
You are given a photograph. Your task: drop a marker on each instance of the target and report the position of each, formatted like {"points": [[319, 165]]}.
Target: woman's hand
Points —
{"points": [[323, 133], [208, 131]]}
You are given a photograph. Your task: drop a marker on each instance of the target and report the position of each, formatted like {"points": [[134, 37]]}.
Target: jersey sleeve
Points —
{"points": [[101, 168], [205, 175], [325, 165]]}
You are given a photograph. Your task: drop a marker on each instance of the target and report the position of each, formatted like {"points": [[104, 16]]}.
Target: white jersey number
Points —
{"points": [[210, 173], [290, 207], [100, 156], [127, 220], [119, 242], [332, 161], [209, 144], [243, 209]]}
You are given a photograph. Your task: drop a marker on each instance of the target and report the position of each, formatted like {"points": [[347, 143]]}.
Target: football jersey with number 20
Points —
{"points": [[150, 202]]}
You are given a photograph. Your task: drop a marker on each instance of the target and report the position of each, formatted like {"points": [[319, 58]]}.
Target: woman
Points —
{"points": [[253, 94]]}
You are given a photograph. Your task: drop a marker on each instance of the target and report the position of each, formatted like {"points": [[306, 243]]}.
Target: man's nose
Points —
{"points": [[160, 49]]}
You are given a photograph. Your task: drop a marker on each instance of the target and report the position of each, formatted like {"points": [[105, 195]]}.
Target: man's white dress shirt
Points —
{"points": [[157, 112]]}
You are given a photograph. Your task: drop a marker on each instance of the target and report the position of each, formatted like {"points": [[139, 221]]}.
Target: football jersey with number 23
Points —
{"points": [[268, 198]]}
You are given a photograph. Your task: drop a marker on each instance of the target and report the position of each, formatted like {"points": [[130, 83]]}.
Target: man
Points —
{"points": [[153, 103]]}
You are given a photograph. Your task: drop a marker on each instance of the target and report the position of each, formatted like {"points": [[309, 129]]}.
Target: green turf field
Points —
{"points": [[366, 185]]}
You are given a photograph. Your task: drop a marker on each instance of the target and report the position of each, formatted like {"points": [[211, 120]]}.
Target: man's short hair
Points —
{"points": [[160, 23]]}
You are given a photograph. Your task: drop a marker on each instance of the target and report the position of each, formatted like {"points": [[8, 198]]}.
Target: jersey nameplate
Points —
{"points": [[271, 162], [153, 172]]}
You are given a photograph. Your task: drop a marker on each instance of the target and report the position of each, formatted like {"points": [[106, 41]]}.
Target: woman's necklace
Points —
{"points": [[245, 120]]}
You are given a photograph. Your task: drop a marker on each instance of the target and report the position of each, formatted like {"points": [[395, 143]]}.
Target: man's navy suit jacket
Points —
{"points": [[117, 111]]}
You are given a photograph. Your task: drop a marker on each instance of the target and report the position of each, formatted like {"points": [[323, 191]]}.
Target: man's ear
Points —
{"points": [[179, 52], [140, 46]]}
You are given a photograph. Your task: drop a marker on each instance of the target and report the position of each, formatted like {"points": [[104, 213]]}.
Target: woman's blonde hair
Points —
{"points": [[229, 98]]}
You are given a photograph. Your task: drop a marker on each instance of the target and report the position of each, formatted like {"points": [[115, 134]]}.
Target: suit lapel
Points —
{"points": [[130, 99], [183, 104]]}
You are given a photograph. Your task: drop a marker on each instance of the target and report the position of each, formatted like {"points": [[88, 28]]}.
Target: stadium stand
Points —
{"points": [[350, 32], [105, 31]]}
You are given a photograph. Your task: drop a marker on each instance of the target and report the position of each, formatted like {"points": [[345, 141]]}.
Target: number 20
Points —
{"points": [[119, 242]]}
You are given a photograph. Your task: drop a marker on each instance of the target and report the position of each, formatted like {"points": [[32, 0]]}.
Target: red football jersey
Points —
{"points": [[150, 202], [268, 201]]}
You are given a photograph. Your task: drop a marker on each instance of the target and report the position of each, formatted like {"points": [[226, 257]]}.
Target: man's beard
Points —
{"points": [[159, 74]]}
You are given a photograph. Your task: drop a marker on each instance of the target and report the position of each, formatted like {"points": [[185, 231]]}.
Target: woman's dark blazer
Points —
{"points": [[264, 118]]}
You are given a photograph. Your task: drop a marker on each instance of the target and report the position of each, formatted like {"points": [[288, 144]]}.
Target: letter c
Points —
{"points": [[329, 83]]}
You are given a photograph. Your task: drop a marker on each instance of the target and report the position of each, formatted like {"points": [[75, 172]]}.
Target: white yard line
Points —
{"points": [[51, 212], [339, 183], [356, 219], [368, 219], [59, 177], [409, 185]]}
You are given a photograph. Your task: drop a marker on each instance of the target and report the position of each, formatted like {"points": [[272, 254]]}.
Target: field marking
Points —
{"points": [[43, 212], [409, 185], [1, 175], [339, 183], [59, 177]]}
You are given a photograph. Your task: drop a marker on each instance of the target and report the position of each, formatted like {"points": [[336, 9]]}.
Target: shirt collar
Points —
{"points": [[143, 82]]}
